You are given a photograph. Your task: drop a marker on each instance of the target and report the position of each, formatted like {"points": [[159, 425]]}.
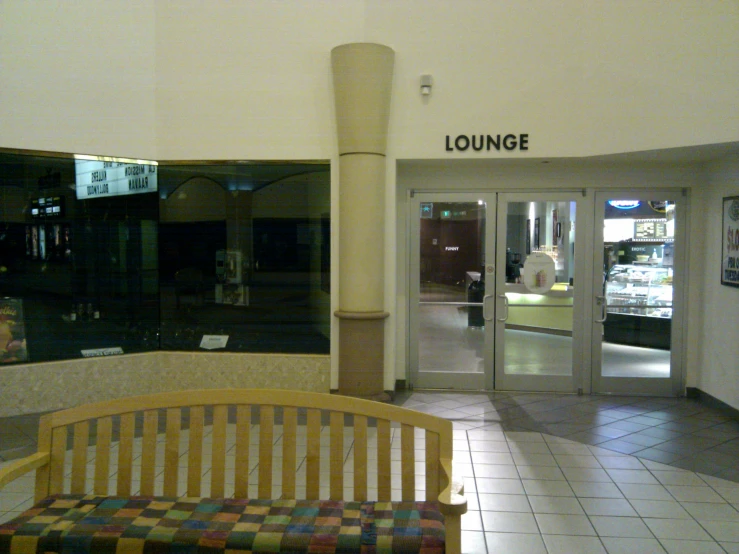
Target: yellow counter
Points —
{"points": [[550, 311]]}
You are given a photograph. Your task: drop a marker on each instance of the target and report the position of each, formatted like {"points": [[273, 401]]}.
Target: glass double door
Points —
{"points": [[548, 291], [492, 295]]}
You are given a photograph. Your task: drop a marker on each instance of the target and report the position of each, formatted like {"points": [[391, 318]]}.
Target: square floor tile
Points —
{"points": [[607, 507], [491, 458], [691, 547], [621, 446], [639, 476], [730, 494], [677, 477], [615, 545], [504, 502], [490, 471], [473, 542], [571, 448], [575, 474], [644, 492], [529, 447], [694, 494], [516, 436], [537, 487], [488, 446], [722, 530], [561, 544], [555, 505], [596, 490], [471, 521], [557, 524], [499, 486], [711, 511], [509, 522], [619, 462], [501, 543], [670, 509], [533, 459], [540, 472], [609, 526], [642, 440], [565, 460], [682, 529]]}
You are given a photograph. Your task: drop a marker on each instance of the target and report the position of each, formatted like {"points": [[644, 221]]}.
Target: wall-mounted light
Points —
{"points": [[426, 82]]}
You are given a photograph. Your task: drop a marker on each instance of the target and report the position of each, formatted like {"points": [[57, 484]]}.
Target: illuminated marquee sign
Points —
{"points": [[98, 178]]}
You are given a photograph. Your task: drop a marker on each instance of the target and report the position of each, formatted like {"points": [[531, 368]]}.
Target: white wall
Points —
{"points": [[204, 80], [582, 78], [78, 76], [720, 333]]}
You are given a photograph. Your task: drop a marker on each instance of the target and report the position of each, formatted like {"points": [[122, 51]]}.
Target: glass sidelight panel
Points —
{"points": [[639, 264], [451, 288]]}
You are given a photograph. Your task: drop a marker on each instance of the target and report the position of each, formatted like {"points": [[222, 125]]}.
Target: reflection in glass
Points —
{"points": [[452, 247]]}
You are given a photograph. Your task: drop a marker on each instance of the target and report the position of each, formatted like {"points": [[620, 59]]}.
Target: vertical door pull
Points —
{"points": [[505, 303], [603, 303], [485, 307]]}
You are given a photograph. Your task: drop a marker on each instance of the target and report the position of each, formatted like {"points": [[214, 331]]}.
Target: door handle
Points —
{"points": [[603, 303], [505, 303], [485, 307]]}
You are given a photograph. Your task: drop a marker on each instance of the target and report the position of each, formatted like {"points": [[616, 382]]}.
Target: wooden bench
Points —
{"points": [[239, 470]]}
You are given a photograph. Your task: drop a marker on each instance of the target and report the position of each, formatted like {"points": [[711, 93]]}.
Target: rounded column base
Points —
{"points": [[362, 355]]}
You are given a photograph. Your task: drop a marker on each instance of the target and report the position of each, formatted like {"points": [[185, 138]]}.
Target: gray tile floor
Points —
{"points": [[548, 473], [679, 432]]}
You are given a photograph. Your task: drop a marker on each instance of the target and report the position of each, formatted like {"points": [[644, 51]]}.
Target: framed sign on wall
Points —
{"points": [[730, 242]]}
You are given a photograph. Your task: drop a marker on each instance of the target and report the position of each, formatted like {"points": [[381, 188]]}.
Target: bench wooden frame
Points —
{"points": [[295, 407]]}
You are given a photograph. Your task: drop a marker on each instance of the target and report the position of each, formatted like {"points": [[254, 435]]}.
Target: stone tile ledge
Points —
{"points": [[42, 387]]}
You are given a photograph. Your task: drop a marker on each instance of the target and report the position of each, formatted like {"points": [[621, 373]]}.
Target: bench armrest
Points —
{"points": [[451, 499], [20, 467]]}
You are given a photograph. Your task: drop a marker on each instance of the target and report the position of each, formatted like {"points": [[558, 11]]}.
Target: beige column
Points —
{"points": [[363, 75]]}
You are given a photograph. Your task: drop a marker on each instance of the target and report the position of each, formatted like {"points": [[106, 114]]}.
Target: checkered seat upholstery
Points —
{"points": [[101, 524]]}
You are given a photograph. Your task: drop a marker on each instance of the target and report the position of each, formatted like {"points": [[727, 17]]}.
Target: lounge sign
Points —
{"points": [[479, 143]]}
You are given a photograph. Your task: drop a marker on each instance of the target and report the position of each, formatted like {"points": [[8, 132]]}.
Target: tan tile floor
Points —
{"points": [[532, 492]]}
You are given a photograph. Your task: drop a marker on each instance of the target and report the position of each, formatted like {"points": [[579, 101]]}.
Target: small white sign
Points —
{"points": [[112, 351], [538, 273], [211, 342]]}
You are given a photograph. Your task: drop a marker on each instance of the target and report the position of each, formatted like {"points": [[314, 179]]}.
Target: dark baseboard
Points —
{"points": [[712, 402], [400, 385]]}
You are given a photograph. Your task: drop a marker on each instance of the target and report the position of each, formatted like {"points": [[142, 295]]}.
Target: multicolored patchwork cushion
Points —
{"points": [[159, 525]]}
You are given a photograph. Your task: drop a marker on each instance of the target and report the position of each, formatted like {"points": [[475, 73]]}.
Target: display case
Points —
{"points": [[639, 312], [644, 290]]}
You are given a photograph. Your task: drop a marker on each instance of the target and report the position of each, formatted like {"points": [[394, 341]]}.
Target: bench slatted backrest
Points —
{"points": [[136, 437]]}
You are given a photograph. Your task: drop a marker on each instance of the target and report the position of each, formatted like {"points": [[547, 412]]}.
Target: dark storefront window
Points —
{"points": [[179, 258], [241, 255]]}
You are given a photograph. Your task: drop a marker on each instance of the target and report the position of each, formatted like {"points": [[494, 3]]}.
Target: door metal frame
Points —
{"points": [[674, 385], [550, 383], [446, 380]]}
